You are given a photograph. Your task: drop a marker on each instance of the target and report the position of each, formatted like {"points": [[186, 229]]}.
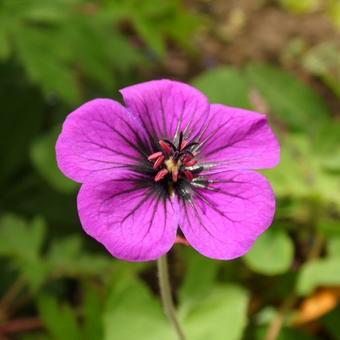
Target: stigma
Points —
{"points": [[172, 162]]}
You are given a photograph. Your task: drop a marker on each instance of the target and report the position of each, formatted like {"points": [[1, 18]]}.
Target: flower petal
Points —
{"points": [[238, 139], [223, 220], [167, 107], [132, 221], [99, 140]]}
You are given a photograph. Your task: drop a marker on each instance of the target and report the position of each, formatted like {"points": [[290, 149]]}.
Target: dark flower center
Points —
{"points": [[173, 162]]}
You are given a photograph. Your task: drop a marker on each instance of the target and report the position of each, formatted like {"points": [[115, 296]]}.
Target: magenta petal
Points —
{"points": [[133, 222], [239, 139], [166, 107], [223, 220], [99, 140]]}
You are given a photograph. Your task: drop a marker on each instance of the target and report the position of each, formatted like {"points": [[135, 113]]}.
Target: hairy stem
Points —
{"points": [[165, 288]]}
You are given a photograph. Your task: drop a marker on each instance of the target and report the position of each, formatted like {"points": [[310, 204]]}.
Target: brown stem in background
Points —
{"points": [[277, 323], [12, 293], [21, 325]]}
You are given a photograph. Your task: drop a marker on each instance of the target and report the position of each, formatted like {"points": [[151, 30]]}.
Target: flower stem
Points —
{"points": [[165, 288]]}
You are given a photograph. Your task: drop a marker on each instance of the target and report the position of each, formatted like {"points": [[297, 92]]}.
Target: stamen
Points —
{"points": [[159, 162], [178, 161], [187, 158], [188, 175], [170, 144], [155, 156], [160, 175], [165, 146], [190, 163]]}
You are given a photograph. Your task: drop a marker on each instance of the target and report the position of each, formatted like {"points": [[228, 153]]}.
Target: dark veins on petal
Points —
{"points": [[170, 165]]}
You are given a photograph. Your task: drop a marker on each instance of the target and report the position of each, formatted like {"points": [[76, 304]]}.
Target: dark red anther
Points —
{"points": [[155, 156], [188, 175], [190, 163], [187, 158], [160, 175], [173, 161], [165, 146], [159, 161]]}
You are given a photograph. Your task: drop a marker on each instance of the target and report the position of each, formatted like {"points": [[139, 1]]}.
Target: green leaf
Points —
{"points": [[302, 174], [35, 273], [147, 32], [323, 60], [331, 323], [329, 228], [86, 46], [288, 97], [325, 143], [44, 159], [60, 320], [51, 73], [21, 121], [132, 312], [301, 6], [225, 85], [197, 266], [20, 239], [292, 176], [334, 12], [93, 309], [5, 47], [66, 257], [221, 314], [22, 243], [319, 273], [272, 253], [333, 245]]}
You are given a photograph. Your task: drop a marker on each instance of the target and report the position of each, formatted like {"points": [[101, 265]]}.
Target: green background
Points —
{"points": [[279, 57]]}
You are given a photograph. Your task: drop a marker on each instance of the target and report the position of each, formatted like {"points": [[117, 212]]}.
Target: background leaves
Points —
{"points": [[277, 57]]}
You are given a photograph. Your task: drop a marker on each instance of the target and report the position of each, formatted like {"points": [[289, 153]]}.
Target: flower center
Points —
{"points": [[174, 161]]}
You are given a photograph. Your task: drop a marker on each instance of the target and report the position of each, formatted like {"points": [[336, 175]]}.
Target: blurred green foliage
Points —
{"points": [[60, 284], [64, 44]]}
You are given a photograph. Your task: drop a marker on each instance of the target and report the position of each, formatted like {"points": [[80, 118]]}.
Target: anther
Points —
{"points": [[159, 161], [160, 175], [187, 158], [165, 146], [190, 163], [155, 156], [188, 175]]}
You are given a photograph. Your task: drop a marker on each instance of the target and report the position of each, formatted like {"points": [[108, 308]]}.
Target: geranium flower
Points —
{"points": [[167, 163]]}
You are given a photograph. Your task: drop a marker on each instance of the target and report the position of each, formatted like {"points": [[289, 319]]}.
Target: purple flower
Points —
{"points": [[167, 162]]}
